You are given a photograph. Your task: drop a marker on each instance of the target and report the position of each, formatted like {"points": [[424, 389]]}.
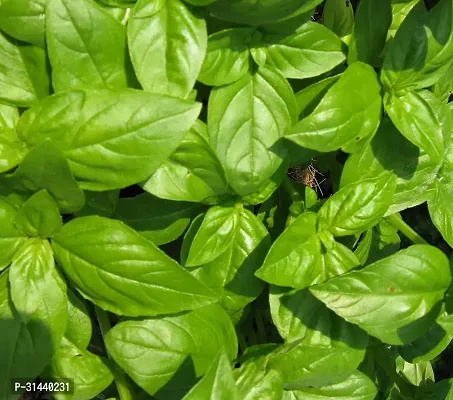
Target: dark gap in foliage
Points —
{"points": [[131, 191], [419, 219]]}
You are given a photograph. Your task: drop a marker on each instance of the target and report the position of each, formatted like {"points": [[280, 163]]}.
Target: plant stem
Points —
{"points": [[405, 229], [120, 379], [291, 189]]}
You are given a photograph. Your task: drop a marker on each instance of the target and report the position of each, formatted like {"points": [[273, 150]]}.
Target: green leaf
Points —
{"points": [[428, 347], [442, 88], [200, 2], [415, 171], [227, 57], [89, 371], [25, 349], [415, 117], [338, 16], [400, 9], [251, 12], [356, 387], [422, 49], [256, 383], [39, 216], [372, 20], [81, 54], [79, 330], [446, 322], [336, 124], [294, 256], [92, 251], [191, 173], [111, 139], [37, 290], [10, 238], [311, 362], [118, 3], [151, 351], [12, 150], [23, 73], [309, 97], [357, 206], [218, 382], [232, 273], [99, 203], [245, 120], [160, 221], [45, 167], [24, 20], [167, 44], [399, 311], [378, 242], [9, 116], [298, 258], [310, 50], [214, 236], [439, 205]]}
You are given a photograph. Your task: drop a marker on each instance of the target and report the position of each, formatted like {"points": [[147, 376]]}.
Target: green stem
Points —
{"points": [[288, 185], [120, 379], [405, 229]]}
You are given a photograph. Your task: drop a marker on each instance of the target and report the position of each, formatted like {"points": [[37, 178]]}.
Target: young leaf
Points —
{"points": [[338, 16], [167, 44], [39, 216], [37, 289], [372, 21], [310, 50], [92, 251], [336, 124], [45, 167], [358, 206], [111, 139], [214, 236], [416, 119], [81, 54], [151, 351], [245, 120], [217, 383], [250, 12], [23, 73], [191, 173], [232, 273], [415, 171], [402, 309], [89, 371], [10, 238], [356, 387], [227, 57], [24, 20], [294, 257], [160, 221]]}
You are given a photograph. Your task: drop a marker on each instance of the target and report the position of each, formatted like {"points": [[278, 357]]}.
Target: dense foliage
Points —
{"points": [[200, 199]]}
